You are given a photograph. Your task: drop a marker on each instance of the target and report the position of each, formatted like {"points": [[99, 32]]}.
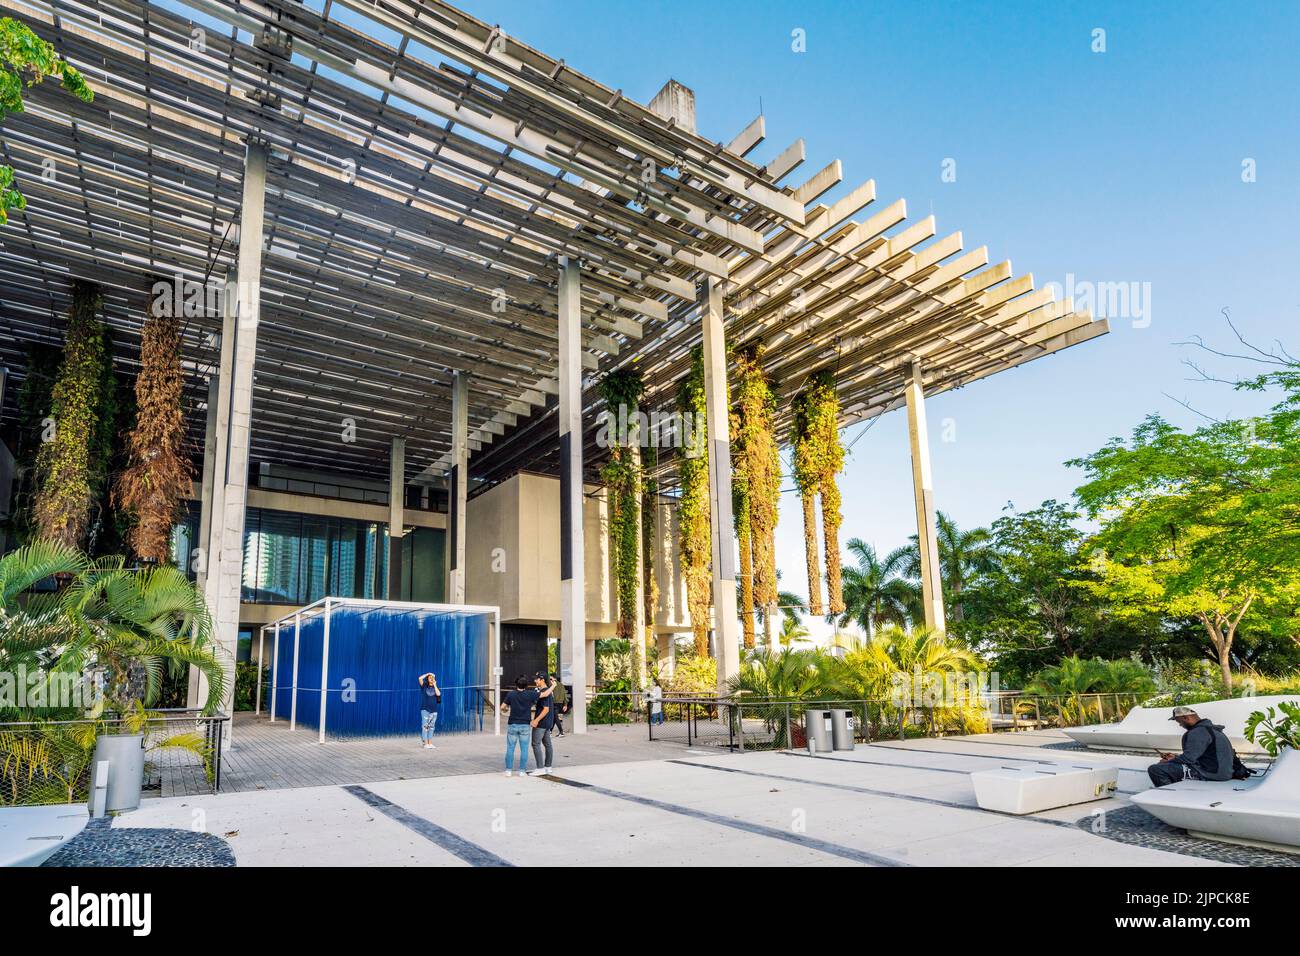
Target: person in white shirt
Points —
{"points": [[656, 695]]}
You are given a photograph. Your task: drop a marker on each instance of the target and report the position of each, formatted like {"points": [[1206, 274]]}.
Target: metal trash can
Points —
{"points": [[817, 727], [842, 728], [125, 756]]}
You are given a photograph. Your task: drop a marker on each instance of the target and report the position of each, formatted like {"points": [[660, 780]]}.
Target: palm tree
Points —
{"points": [[963, 557], [124, 620], [885, 668], [874, 594], [793, 632]]}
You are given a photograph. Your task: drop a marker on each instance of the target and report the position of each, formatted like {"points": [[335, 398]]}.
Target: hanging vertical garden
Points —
{"points": [[622, 391], [756, 487], [693, 510], [65, 470], [157, 476], [818, 459]]}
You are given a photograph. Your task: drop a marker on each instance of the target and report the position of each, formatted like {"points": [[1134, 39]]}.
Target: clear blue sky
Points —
{"points": [[1122, 166]]}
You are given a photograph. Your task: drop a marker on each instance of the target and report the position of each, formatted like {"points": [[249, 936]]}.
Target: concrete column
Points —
{"points": [[573, 597], [204, 540], [458, 487], [640, 657], [726, 628], [230, 566], [923, 485], [396, 516]]}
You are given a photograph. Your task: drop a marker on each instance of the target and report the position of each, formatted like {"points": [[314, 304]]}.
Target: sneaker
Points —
{"points": [[548, 771], [507, 773], [540, 772]]}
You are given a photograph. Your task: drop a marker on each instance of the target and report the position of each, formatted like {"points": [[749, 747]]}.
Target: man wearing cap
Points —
{"points": [[1207, 752]]}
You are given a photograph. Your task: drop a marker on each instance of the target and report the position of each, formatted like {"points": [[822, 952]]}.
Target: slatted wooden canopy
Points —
{"points": [[427, 172]]}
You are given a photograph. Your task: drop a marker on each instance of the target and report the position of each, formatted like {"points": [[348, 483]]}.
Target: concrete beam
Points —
{"points": [[230, 566], [458, 486], [726, 630], [573, 592], [396, 525], [923, 486]]}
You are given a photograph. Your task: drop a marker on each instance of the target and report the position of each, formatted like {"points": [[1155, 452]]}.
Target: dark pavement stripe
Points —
{"points": [[811, 843], [471, 853]]}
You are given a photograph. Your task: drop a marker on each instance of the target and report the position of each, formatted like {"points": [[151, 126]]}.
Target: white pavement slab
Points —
{"points": [[890, 804]]}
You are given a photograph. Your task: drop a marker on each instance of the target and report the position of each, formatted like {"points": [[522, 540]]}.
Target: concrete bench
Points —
{"points": [[1149, 728], [1022, 790], [30, 835], [1263, 811]]}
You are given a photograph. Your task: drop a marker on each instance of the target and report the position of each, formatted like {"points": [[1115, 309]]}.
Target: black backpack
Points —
{"points": [[1240, 771]]}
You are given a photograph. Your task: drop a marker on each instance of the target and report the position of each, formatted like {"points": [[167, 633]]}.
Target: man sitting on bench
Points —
{"points": [[1207, 753]]}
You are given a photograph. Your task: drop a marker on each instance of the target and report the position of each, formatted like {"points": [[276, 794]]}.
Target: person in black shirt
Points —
{"points": [[518, 704], [542, 725], [430, 701]]}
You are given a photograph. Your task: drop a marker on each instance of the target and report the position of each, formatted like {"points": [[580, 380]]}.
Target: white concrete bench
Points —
{"points": [[1149, 728], [1263, 811], [1021, 790], [30, 835]]}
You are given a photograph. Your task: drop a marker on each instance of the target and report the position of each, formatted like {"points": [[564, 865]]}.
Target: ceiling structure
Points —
{"points": [[427, 173]]}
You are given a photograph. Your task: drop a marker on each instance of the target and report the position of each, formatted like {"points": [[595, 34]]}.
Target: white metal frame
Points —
{"points": [[327, 605]]}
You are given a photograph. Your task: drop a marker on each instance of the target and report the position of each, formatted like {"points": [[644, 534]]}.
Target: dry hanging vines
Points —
{"points": [[158, 475], [818, 458]]}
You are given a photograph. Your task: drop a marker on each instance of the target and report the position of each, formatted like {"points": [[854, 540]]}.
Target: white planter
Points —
{"points": [[1022, 790]]}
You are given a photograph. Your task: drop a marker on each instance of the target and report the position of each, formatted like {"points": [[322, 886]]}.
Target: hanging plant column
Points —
{"points": [[758, 467], [740, 517], [649, 541], [621, 474], [818, 459], [61, 508], [696, 545], [158, 475]]}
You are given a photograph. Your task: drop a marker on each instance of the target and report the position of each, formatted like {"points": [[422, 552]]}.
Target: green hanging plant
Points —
{"points": [[649, 525], [61, 509], [158, 474], [622, 390], [818, 459], [757, 464], [25, 60], [696, 546]]}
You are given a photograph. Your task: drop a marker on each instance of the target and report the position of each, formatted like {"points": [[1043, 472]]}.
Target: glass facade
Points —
{"points": [[292, 558]]}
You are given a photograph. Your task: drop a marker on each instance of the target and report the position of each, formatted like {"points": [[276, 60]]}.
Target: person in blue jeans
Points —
{"points": [[430, 701], [518, 704]]}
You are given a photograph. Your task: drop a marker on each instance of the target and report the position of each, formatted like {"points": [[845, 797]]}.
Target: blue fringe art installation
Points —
{"points": [[376, 655]]}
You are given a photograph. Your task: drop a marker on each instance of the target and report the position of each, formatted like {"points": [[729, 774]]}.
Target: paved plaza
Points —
{"points": [[886, 804]]}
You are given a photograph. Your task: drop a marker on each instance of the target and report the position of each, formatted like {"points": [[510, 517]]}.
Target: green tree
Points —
{"points": [[875, 595], [25, 60], [1193, 524]]}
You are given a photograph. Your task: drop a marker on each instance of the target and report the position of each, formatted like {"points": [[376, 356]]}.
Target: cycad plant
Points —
{"points": [[106, 616], [772, 680], [1067, 686]]}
